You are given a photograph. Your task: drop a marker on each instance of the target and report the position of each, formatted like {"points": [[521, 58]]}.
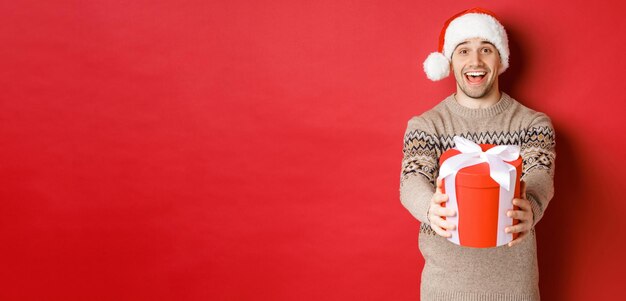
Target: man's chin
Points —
{"points": [[474, 95], [477, 93]]}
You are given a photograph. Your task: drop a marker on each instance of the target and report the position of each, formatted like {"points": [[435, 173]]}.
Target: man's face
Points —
{"points": [[476, 63]]}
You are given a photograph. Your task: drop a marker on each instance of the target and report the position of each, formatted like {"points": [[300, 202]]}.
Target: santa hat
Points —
{"points": [[472, 23]]}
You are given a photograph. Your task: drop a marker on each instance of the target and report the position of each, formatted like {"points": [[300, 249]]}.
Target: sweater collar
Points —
{"points": [[499, 107]]}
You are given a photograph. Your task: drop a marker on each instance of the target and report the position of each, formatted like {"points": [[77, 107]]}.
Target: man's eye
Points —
{"points": [[486, 50], [463, 51]]}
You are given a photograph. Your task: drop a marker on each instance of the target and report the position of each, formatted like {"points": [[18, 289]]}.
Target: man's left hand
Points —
{"points": [[524, 215]]}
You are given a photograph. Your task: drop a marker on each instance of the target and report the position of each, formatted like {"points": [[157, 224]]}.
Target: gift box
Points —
{"points": [[481, 182]]}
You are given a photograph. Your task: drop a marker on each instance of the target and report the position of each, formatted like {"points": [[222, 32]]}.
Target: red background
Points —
{"points": [[231, 150]]}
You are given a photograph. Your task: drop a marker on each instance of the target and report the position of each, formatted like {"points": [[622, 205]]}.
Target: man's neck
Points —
{"points": [[478, 103]]}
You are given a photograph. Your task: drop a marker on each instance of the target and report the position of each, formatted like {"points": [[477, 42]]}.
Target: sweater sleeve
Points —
{"points": [[419, 169], [538, 155]]}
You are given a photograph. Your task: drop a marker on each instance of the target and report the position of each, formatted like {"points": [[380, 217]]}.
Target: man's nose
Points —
{"points": [[474, 58]]}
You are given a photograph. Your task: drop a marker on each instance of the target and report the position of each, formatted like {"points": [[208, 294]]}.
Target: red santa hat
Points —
{"points": [[472, 23]]}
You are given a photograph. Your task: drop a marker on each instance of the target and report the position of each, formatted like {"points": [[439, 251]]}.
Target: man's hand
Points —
{"points": [[436, 212], [524, 215]]}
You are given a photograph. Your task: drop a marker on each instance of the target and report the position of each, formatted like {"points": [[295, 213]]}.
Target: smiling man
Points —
{"points": [[476, 64], [474, 45]]}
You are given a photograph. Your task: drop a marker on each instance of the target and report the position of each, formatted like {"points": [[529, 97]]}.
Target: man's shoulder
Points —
{"points": [[427, 120], [530, 117]]}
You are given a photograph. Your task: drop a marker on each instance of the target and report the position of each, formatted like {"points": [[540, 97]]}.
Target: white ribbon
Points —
{"points": [[501, 172]]}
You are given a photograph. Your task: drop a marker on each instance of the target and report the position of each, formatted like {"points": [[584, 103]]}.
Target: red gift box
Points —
{"points": [[481, 209]]}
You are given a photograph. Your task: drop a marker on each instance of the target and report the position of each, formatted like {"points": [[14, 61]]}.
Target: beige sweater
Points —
{"points": [[452, 272]]}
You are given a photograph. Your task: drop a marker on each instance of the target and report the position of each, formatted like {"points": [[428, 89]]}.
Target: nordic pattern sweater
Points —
{"points": [[452, 272]]}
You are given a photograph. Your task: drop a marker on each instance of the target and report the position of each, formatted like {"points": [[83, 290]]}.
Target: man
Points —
{"points": [[475, 46]]}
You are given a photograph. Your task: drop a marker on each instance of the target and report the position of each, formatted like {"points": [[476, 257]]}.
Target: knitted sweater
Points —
{"points": [[452, 272]]}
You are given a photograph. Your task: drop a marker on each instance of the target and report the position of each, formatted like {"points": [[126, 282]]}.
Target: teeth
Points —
{"points": [[476, 73]]}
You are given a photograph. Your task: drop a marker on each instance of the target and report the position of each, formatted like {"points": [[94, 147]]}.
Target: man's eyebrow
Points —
{"points": [[481, 42]]}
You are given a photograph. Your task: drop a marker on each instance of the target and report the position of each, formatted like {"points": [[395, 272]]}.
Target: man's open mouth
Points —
{"points": [[475, 77]]}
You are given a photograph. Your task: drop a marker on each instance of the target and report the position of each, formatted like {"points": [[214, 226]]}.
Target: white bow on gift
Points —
{"points": [[503, 173]]}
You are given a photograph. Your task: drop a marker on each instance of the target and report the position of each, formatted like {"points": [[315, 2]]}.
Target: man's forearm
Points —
{"points": [[415, 194], [539, 191]]}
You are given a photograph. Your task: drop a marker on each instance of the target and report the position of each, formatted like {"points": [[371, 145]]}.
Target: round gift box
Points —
{"points": [[478, 198]]}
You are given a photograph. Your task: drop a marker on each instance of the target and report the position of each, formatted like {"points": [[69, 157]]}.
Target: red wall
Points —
{"points": [[194, 150]]}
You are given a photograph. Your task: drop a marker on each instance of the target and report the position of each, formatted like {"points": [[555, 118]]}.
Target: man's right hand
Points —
{"points": [[436, 212]]}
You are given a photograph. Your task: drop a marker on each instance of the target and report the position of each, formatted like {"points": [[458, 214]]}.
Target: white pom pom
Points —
{"points": [[436, 66]]}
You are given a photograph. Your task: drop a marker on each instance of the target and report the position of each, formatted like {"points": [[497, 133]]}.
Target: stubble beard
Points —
{"points": [[477, 93], [473, 93]]}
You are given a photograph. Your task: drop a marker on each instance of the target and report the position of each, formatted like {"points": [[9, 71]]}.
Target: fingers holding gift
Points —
{"points": [[440, 226], [521, 215], [436, 210], [523, 227], [522, 187], [524, 214], [524, 204], [444, 224], [440, 231], [436, 213], [439, 185], [519, 228], [439, 198], [519, 238]]}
